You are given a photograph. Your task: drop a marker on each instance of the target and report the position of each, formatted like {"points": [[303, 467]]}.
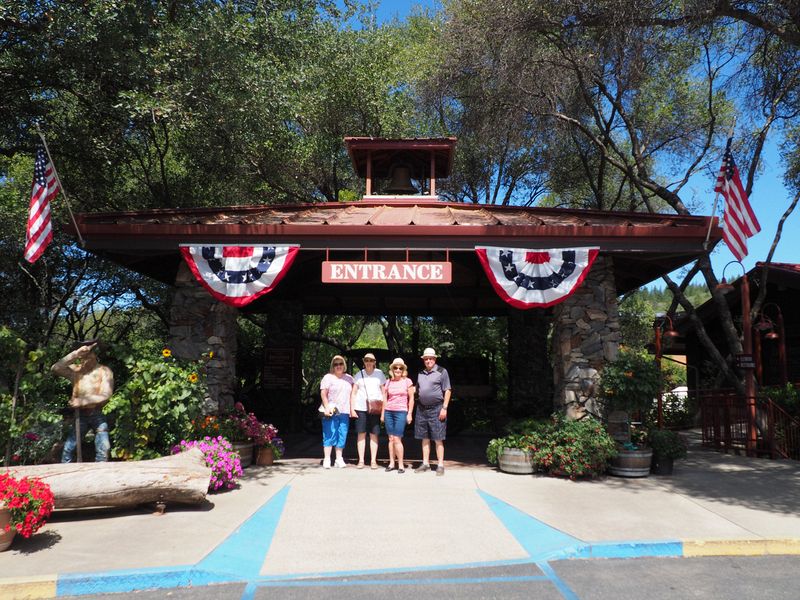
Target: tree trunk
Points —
{"points": [[182, 478]]}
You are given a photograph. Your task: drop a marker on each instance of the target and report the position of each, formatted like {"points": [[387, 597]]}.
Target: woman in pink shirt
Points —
{"points": [[398, 406], [335, 390]]}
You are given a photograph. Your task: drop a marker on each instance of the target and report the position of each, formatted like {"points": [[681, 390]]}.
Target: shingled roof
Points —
{"points": [[643, 246]]}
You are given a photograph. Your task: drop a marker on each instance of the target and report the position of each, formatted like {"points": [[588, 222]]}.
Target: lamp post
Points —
{"points": [[669, 333], [765, 324], [746, 358]]}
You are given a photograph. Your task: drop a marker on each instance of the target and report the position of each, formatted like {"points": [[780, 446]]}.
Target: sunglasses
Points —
{"points": [[397, 368], [338, 364], [369, 360]]}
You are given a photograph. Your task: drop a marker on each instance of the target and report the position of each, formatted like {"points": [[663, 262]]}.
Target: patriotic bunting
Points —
{"points": [[535, 278], [237, 275]]}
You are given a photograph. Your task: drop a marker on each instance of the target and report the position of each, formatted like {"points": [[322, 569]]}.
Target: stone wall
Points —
{"points": [[199, 323], [586, 335]]}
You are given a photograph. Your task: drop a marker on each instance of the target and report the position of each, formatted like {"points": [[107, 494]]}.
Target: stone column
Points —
{"points": [[199, 323], [530, 388], [586, 334]]}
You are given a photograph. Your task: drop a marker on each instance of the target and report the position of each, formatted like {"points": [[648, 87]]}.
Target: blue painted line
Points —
{"points": [[238, 558], [244, 551], [562, 587], [539, 540], [632, 549], [383, 582]]}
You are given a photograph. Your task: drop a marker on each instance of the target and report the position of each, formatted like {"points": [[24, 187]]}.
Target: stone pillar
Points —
{"points": [[530, 387], [586, 334], [199, 323]]}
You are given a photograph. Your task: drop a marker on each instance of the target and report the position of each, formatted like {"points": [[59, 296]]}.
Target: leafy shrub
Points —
{"points": [[667, 443], [787, 397], [29, 431], [631, 382], [560, 447], [154, 409], [575, 448], [677, 411]]}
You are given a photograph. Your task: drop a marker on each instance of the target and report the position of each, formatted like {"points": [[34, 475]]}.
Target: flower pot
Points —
{"points": [[513, 460], [245, 450], [632, 463], [264, 456], [6, 537], [661, 465]]}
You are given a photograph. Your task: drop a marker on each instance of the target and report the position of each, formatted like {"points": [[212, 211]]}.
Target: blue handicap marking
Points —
{"points": [[539, 540], [244, 551]]}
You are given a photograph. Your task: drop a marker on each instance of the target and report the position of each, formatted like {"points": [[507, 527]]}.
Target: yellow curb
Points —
{"points": [[740, 547], [28, 588]]}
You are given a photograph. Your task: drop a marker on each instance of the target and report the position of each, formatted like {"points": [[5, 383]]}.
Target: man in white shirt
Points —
{"points": [[369, 383]]}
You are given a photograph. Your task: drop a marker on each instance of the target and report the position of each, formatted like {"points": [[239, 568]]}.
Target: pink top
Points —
{"points": [[397, 393], [338, 391]]}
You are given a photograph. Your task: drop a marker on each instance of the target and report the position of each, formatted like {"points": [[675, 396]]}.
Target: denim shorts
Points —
{"points": [[427, 425], [368, 423], [334, 430], [395, 422]]}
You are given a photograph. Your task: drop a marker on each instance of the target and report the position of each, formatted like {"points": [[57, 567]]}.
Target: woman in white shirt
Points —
{"points": [[368, 386]]}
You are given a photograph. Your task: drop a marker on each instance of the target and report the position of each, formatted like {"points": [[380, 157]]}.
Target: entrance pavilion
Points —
{"points": [[634, 249]]}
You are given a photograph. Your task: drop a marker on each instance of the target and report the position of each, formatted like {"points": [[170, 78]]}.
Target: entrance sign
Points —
{"points": [[535, 278], [237, 275], [386, 272]]}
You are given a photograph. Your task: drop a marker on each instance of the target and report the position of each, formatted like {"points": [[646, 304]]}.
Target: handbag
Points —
{"points": [[374, 407]]}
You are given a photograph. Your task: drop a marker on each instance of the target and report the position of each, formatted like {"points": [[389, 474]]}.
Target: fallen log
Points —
{"points": [[181, 478]]}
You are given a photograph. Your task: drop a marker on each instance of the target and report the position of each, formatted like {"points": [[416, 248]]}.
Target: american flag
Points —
{"points": [[740, 221], [39, 232]]}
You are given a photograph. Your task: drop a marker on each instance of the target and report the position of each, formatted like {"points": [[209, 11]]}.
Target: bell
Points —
{"points": [[401, 181]]}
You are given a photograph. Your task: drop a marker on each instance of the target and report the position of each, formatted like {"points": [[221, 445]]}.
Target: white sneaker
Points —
{"points": [[326, 464], [339, 464]]}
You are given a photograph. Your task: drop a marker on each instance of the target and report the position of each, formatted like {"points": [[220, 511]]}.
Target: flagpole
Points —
{"points": [[716, 196], [58, 180]]}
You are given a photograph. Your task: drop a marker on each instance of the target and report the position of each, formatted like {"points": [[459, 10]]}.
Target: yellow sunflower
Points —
{"points": [[166, 353], [193, 377]]}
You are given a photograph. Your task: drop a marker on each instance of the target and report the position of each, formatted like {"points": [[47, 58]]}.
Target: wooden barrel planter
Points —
{"points": [[513, 460], [632, 463], [245, 450]]}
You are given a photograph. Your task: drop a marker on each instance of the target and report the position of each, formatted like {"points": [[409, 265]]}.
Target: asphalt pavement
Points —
{"points": [[295, 525]]}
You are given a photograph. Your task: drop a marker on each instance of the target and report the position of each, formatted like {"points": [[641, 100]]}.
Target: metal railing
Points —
{"points": [[725, 419]]}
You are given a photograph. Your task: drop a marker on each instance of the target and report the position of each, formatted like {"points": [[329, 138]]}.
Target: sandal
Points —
{"points": [[373, 466], [389, 468], [360, 466]]}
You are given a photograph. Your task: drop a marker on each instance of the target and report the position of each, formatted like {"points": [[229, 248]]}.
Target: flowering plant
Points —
{"points": [[225, 465], [242, 425], [268, 438], [29, 500]]}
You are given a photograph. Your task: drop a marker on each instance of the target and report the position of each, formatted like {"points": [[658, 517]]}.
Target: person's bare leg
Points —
{"points": [[361, 444], [391, 452], [426, 451], [326, 453], [440, 452], [398, 452], [373, 449]]}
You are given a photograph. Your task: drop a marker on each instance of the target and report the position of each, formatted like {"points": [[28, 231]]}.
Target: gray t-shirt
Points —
{"points": [[432, 385]]}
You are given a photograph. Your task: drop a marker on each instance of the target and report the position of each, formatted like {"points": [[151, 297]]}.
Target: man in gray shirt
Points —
{"points": [[430, 422]]}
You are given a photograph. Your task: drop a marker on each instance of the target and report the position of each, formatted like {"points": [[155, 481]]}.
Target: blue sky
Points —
{"points": [[769, 200]]}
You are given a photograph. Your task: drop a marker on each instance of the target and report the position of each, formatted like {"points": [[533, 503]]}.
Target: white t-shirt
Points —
{"points": [[368, 386]]}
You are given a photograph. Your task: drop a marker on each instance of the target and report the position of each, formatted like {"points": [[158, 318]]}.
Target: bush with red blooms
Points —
{"points": [[29, 500]]}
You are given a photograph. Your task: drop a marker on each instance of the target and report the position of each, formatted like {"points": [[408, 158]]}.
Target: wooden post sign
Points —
{"points": [[386, 272]]}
